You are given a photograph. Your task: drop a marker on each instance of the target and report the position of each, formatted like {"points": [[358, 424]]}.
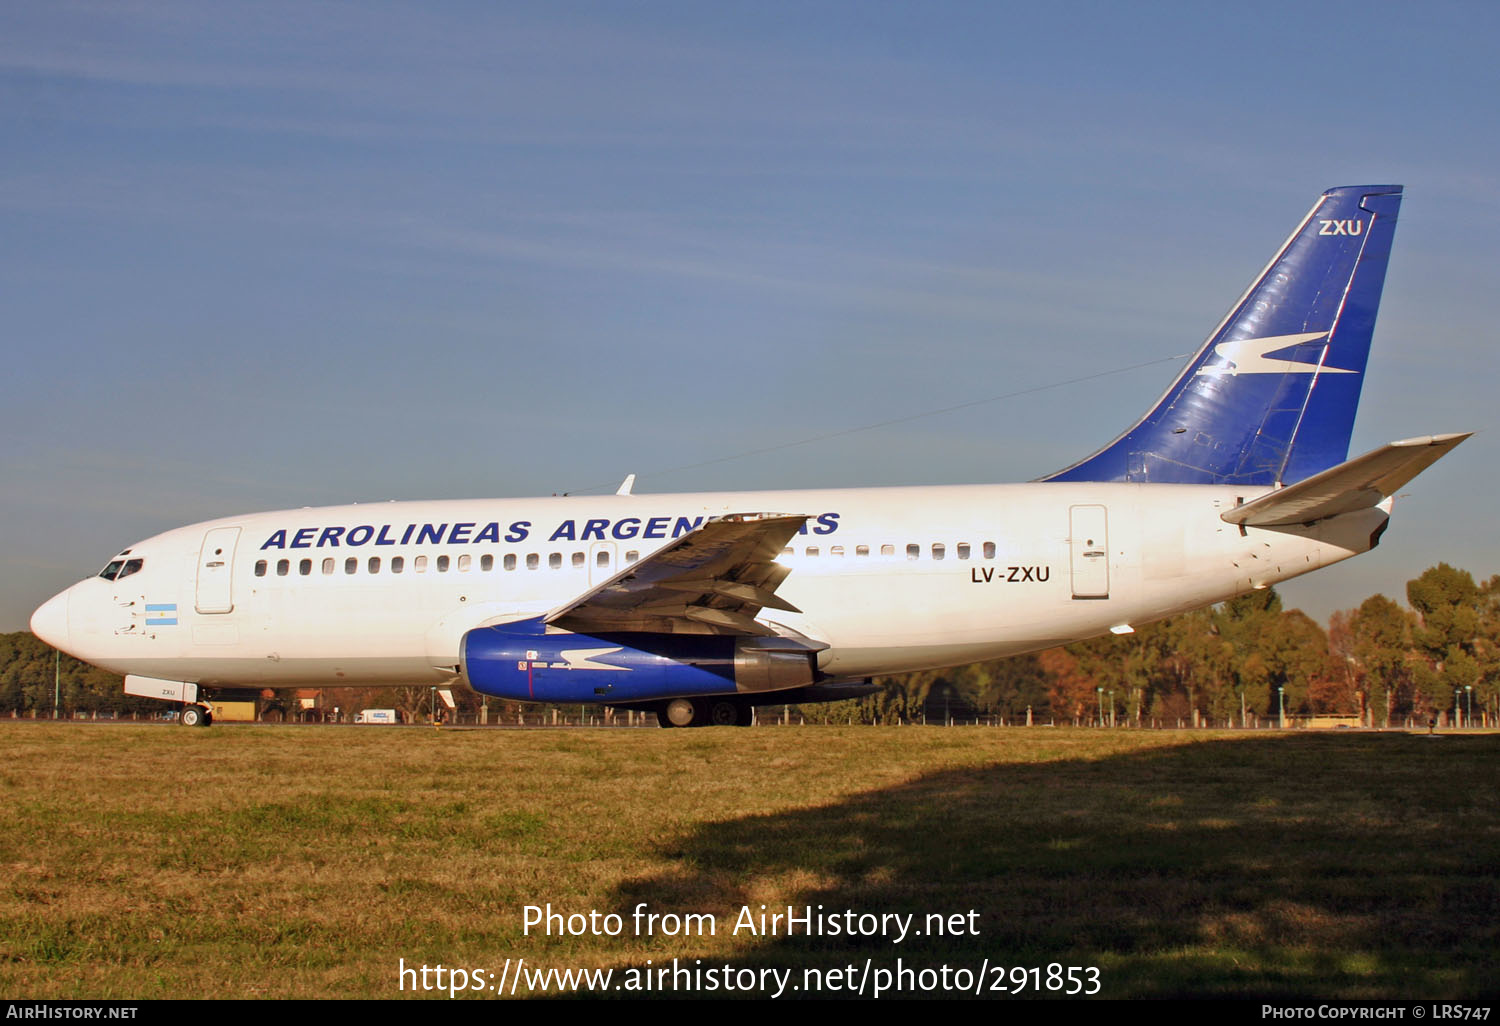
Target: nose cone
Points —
{"points": [[50, 622]]}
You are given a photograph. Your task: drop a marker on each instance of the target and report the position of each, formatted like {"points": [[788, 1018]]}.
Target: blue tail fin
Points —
{"points": [[1270, 398]]}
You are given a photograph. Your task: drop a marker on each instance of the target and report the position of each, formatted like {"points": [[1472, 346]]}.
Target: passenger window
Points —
{"points": [[398, 563], [963, 550], [812, 550], [351, 564], [486, 563], [861, 550], [328, 565], [602, 559], [283, 567], [442, 564], [632, 556], [787, 551], [374, 564], [533, 560], [937, 550], [579, 558], [304, 567], [835, 550], [555, 560], [419, 564], [510, 561], [464, 562], [913, 551], [887, 550], [989, 550], [260, 568]]}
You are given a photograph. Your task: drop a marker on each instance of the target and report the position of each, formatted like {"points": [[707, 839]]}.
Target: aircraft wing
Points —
{"points": [[1360, 483], [713, 580]]}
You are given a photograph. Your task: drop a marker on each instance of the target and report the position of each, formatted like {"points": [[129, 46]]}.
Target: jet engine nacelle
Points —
{"points": [[520, 661]]}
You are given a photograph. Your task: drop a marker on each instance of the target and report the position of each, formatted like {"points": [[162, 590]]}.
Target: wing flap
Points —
{"points": [[713, 580], [1360, 483], [733, 589]]}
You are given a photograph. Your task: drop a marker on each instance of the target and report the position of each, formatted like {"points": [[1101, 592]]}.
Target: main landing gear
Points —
{"points": [[196, 716], [704, 712]]}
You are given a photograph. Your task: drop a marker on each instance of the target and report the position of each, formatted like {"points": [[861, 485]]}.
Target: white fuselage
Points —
{"points": [[890, 579]]}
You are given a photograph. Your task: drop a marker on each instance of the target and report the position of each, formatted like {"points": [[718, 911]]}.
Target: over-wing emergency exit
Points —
{"points": [[701, 606]]}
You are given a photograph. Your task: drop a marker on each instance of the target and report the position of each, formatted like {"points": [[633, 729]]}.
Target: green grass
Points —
{"points": [[151, 861]]}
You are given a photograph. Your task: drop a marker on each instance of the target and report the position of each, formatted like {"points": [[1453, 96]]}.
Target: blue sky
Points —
{"points": [[270, 255]]}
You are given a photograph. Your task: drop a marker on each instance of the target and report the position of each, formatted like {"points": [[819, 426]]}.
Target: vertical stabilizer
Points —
{"points": [[1271, 396]]}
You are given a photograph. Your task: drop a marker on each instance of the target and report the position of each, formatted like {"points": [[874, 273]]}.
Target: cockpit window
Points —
{"points": [[119, 569]]}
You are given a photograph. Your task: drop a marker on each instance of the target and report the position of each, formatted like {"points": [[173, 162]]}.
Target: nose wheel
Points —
{"points": [[196, 716]]}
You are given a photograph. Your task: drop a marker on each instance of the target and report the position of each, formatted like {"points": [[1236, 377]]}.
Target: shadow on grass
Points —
{"points": [[1355, 865]]}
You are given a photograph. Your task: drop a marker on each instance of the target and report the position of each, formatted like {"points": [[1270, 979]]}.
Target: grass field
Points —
{"points": [[157, 861]]}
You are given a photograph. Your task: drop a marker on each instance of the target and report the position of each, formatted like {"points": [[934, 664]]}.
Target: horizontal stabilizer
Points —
{"points": [[1361, 483]]}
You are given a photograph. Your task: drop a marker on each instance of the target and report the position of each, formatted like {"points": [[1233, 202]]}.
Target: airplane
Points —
{"points": [[701, 606]]}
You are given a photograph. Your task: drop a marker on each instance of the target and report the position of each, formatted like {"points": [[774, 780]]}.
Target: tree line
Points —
{"points": [[1238, 663], [1241, 662]]}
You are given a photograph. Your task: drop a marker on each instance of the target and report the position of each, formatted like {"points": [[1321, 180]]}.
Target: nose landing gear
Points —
{"points": [[196, 716]]}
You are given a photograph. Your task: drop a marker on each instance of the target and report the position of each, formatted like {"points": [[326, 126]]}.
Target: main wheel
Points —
{"points": [[193, 716], [679, 712], [724, 712]]}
